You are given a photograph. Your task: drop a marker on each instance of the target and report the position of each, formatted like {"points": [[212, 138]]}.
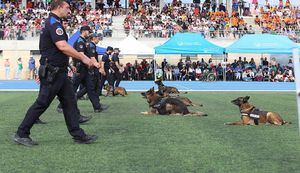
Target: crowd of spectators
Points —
{"points": [[188, 70], [145, 20], [283, 19], [21, 23]]}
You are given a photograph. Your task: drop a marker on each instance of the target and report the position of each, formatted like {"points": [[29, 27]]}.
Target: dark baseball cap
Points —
{"points": [[85, 28], [109, 48], [117, 49]]}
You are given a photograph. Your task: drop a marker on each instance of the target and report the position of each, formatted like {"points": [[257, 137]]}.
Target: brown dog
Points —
{"points": [[252, 116], [165, 90], [166, 106], [117, 91]]}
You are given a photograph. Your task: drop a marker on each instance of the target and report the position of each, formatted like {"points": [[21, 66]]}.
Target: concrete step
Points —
{"points": [[118, 29], [250, 21]]}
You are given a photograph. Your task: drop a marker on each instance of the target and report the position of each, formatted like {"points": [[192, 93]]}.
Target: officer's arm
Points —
{"points": [[116, 60], [118, 65], [70, 51], [101, 69]]}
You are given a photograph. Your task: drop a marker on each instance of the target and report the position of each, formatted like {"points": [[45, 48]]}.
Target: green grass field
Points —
{"points": [[131, 142]]}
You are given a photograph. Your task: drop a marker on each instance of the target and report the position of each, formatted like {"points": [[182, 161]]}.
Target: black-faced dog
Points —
{"points": [[185, 100], [165, 90], [166, 106], [252, 116], [117, 90]]}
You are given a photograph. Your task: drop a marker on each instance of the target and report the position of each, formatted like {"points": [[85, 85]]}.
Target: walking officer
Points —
{"points": [[54, 81], [117, 75], [92, 77], [81, 70], [105, 69]]}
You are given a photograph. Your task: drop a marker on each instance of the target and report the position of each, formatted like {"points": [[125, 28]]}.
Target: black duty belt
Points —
{"points": [[56, 69]]}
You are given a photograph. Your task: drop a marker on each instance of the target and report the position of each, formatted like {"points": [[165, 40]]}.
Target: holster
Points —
{"points": [[42, 71], [52, 73]]}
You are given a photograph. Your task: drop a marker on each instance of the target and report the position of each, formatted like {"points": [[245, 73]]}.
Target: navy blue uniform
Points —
{"points": [[59, 85], [91, 79], [81, 74], [106, 60], [117, 76]]}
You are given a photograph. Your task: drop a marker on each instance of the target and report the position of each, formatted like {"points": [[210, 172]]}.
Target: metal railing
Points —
{"points": [[164, 33]]}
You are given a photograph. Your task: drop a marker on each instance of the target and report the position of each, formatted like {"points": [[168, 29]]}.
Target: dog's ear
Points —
{"points": [[246, 98]]}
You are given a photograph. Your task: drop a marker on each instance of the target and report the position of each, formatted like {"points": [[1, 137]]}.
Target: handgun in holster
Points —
{"points": [[42, 71], [51, 73]]}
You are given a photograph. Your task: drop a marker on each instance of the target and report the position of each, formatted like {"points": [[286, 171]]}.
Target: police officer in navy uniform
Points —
{"points": [[105, 69], [54, 81], [93, 76], [81, 46], [82, 76], [117, 75]]}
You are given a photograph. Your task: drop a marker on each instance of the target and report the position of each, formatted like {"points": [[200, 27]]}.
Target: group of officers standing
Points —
{"points": [[90, 73]]}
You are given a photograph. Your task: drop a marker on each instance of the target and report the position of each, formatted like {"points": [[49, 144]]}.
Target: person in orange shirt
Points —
{"points": [[257, 20], [234, 21]]}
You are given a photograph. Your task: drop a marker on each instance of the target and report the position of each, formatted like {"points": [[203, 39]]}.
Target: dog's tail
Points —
{"points": [[197, 114], [196, 104], [125, 92]]}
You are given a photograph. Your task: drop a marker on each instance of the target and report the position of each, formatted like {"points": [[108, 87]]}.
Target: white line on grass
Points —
{"points": [[179, 90]]}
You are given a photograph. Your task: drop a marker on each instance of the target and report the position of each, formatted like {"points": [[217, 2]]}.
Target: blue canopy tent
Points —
{"points": [[188, 43], [75, 36], [262, 44]]}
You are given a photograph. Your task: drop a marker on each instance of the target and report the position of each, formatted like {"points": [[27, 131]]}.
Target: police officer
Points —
{"points": [[93, 76], [105, 69], [54, 81], [117, 75], [81, 69]]}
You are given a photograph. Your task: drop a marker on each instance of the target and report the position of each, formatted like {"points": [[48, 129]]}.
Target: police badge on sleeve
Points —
{"points": [[59, 31]]}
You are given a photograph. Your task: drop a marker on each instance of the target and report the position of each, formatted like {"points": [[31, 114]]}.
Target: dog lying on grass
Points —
{"points": [[167, 105], [117, 91], [253, 116], [165, 90], [185, 100]]}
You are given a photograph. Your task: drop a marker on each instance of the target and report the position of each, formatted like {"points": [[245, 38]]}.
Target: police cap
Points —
{"points": [[85, 28], [109, 48]]}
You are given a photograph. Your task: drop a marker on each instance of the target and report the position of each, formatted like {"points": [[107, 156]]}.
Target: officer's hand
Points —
{"points": [[73, 68], [103, 72], [88, 62], [37, 80], [95, 63]]}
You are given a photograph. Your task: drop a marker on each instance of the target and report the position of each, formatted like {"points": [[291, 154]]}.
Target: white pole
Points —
{"points": [[297, 80]]}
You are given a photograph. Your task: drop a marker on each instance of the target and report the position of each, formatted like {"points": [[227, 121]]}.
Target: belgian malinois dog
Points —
{"points": [[185, 100], [166, 106], [165, 90], [117, 90], [253, 116]]}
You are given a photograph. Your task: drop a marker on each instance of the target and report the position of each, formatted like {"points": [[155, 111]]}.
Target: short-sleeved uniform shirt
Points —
{"points": [[81, 46], [114, 59], [106, 60], [92, 50], [52, 33]]}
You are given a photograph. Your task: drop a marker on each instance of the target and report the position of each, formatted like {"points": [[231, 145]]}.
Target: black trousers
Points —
{"points": [[108, 77], [117, 77], [91, 83], [63, 88]]}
